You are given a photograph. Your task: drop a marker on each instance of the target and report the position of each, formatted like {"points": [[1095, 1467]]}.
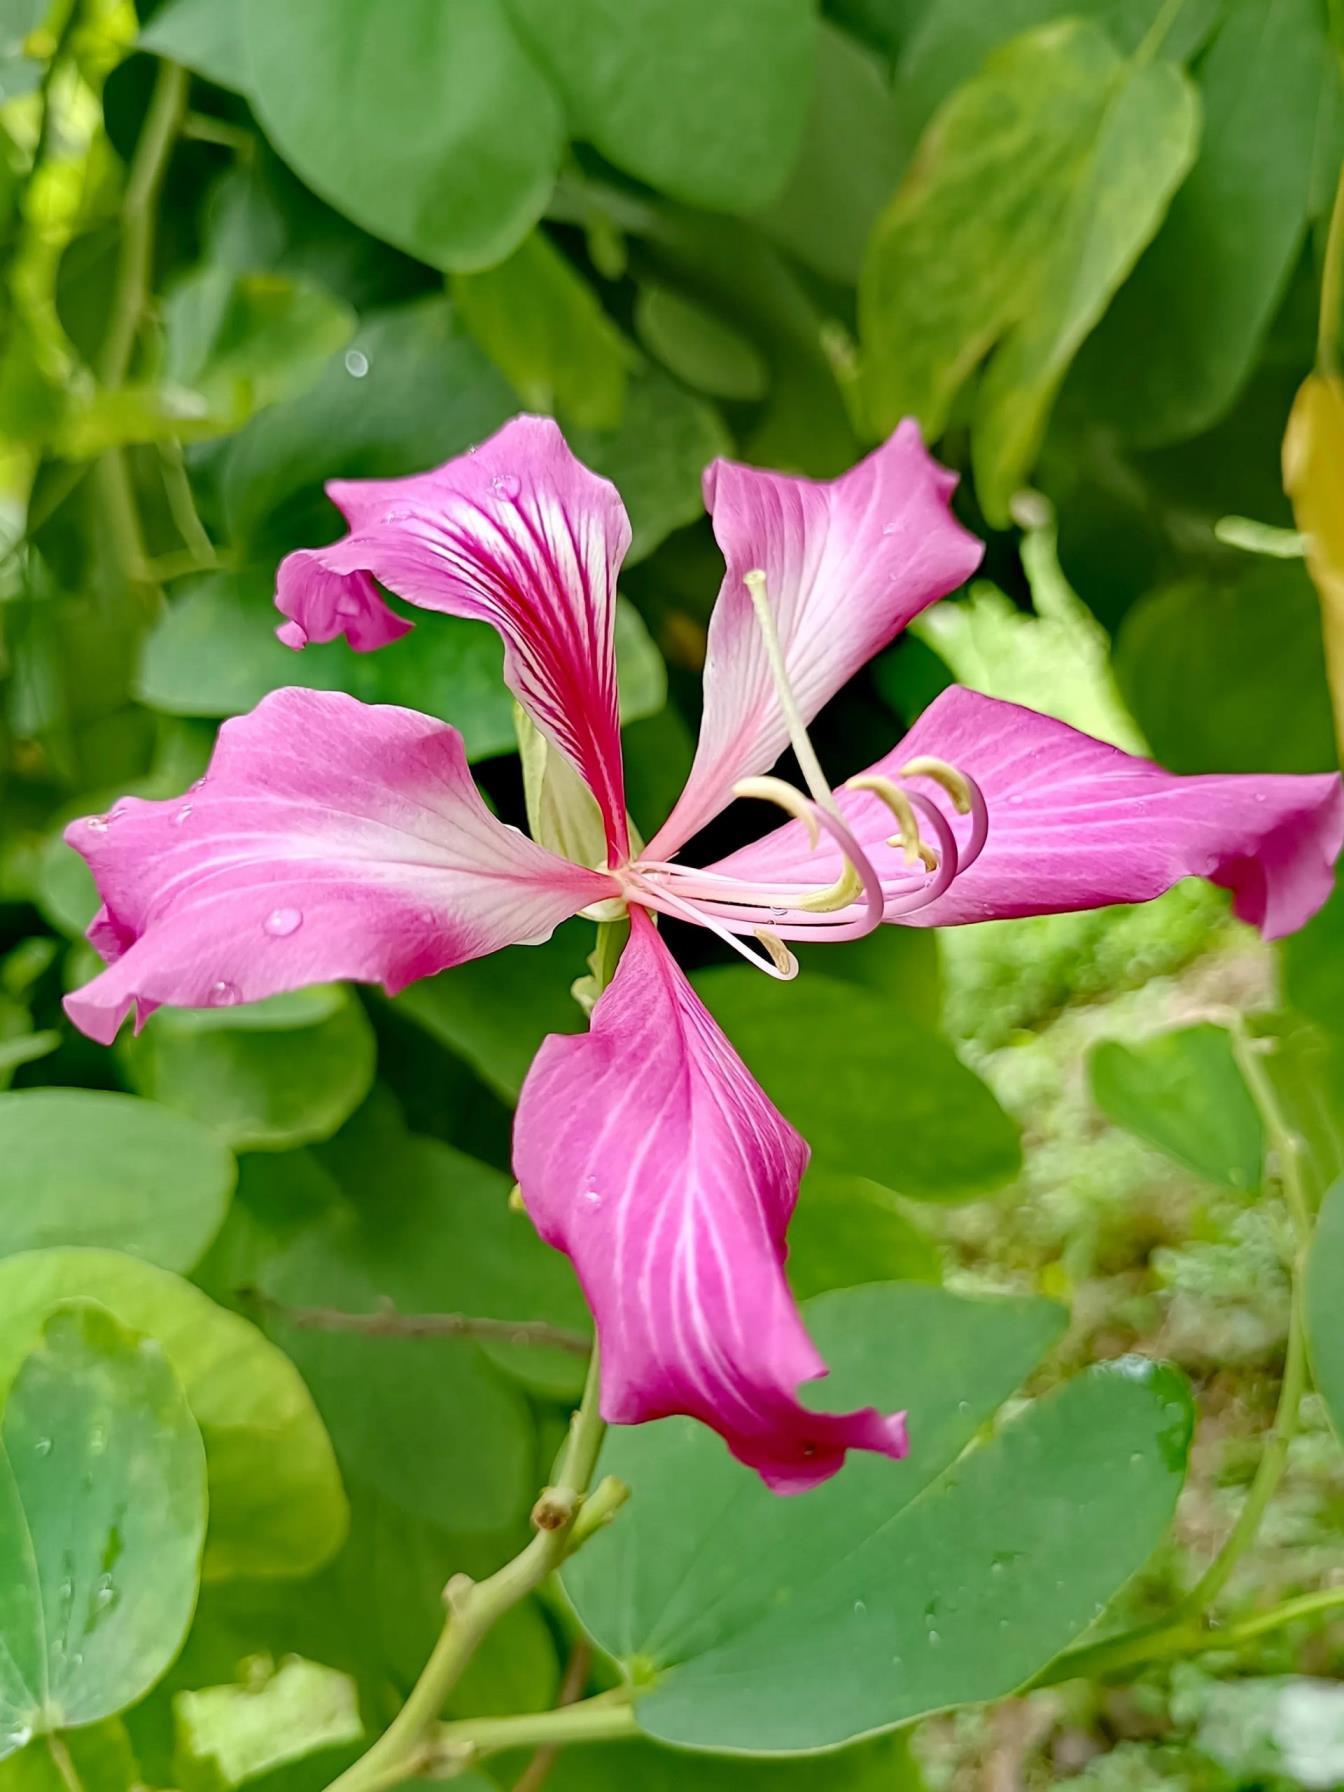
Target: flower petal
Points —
{"points": [[519, 534], [1075, 824], [646, 1152], [328, 839], [847, 564]]}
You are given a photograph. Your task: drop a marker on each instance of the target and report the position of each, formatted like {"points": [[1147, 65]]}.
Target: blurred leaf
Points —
{"points": [[541, 324], [411, 390], [703, 101], [1183, 1092], [1188, 325], [426, 1423], [102, 1519], [206, 36], [852, 155], [847, 1231], [886, 1764], [495, 1011], [935, 1581], [282, 1713], [81, 1166], [1305, 1067], [263, 1076], [100, 1755], [1031, 195], [1267, 1730], [1313, 475], [24, 1048], [1325, 1304], [1313, 965], [1196, 660], [276, 1505], [459, 190], [891, 1100], [698, 346]]}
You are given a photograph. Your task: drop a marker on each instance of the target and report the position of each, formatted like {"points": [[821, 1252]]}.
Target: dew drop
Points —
{"points": [[281, 922], [860, 1608], [97, 1440], [42, 1447], [592, 1197], [183, 816], [934, 1639], [356, 363], [1137, 1459], [97, 824], [506, 486], [223, 994]]}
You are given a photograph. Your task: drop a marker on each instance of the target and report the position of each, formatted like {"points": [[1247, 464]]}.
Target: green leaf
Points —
{"points": [[871, 1091], [1183, 1092], [1031, 196], [697, 346], [246, 340], [102, 1519], [703, 101], [280, 1715], [412, 389], [852, 155], [1313, 965], [942, 1580], [262, 1076], [276, 1504], [541, 324], [1190, 323], [1325, 1304], [495, 1011], [847, 1231], [206, 36], [100, 1754], [463, 187], [82, 1166], [886, 1764], [1195, 660]]}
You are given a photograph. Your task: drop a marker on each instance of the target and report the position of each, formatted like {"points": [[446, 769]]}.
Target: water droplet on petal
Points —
{"points": [[281, 922], [183, 815], [42, 1447], [506, 486], [356, 363], [96, 824], [592, 1197], [223, 994]]}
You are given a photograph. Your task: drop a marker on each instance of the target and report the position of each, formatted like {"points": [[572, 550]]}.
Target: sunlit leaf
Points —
{"points": [[1031, 196], [82, 1166], [1313, 473], [102, 1519], [276, 1504], [298, 1708]]}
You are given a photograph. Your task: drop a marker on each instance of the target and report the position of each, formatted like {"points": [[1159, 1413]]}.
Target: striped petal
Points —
{"points": [[646, 1151], [329, 839], [517, 533], [1075, 824], [847, 564]]}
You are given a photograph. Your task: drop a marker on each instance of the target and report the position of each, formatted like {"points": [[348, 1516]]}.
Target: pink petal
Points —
{"points": [[847, 564], [1075, 824], [648, 1154], [519, 534], [329, 839]]}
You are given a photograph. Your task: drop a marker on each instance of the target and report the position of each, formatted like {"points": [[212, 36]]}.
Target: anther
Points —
{"points": [[784, 796], [904, 810], [955, 783], [780, 956]]}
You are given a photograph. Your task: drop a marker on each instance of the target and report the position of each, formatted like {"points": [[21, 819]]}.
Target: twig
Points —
{"points": [[387, 1322], [534, 1775]]}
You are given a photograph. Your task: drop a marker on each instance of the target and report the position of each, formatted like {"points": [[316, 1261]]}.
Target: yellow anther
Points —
{"points": [[780, 956], [784, 796], [904, 811], [847, 888], [952, 781]]}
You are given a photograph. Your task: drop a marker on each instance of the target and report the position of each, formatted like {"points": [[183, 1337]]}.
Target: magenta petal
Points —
{"points": [[1076, 824], [519, 534], [847, 564], [646, 1151], [329, 839]]}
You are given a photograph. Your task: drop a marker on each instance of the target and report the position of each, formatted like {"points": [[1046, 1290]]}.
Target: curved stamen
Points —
{"points": [[908, 837], [857, 876], [949, 863], [780, 964], [784, 796], [967, 798]]}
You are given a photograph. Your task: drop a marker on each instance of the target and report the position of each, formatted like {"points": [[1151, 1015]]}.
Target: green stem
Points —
{"points": [[181, 504], [1284, 1142], [1332, 287], [1157, 32], [605, 1718], [474, 1607]]}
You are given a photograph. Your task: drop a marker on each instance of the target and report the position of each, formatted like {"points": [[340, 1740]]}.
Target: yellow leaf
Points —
{"points": [[1313, 477]]}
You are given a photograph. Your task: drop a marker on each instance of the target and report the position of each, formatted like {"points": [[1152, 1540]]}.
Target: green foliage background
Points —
{"points": [[251, 245]]}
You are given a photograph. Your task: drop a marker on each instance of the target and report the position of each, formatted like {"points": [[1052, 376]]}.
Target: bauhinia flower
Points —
{"points": [[334, 839]]}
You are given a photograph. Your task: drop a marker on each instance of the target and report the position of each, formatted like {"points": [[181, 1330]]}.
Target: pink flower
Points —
{"points": [[334, 839]]}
